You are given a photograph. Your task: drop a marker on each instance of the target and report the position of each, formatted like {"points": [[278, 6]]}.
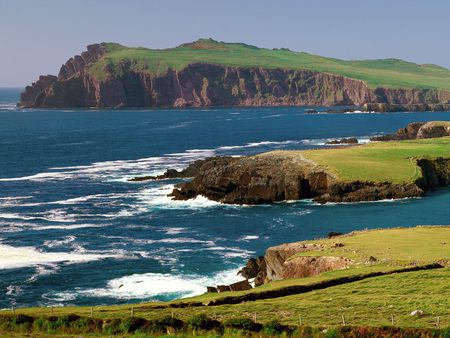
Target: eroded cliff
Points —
{"points": [[127, 84]]}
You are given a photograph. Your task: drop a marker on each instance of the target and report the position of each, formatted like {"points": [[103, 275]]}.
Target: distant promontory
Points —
{"points": [[208, 73]]}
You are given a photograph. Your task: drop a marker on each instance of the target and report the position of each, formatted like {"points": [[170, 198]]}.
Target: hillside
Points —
{"points": [[390, 274], [211, 73], [388, 73]]}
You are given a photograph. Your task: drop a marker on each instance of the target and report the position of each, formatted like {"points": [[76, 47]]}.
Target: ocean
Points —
{"points": [[75, 231]]}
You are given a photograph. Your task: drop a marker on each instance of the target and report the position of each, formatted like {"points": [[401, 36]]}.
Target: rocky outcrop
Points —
{"points": [[351, 140], [435, 173], [277, 256], [255, 180], [437, 103], [275, 177], [300, 267], [256, 269], [126, 84], [418, 130]]}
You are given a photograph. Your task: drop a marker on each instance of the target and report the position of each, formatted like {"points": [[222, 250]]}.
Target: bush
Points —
{"points": [[112, 326], [203, 322], [86, 325], [274, 327], [244, 324], [64, 322], [169, 321], [131, 324], [161, 325]]}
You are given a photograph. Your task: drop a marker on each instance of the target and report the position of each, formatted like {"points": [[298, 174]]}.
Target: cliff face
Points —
{"points": [[201, 84]]}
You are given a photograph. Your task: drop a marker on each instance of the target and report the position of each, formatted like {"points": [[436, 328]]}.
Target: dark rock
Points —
{"points": [[399, 102], [223, 288], [417, 130], [372, 259], [334, 234], [253, 267], [240, 286], [211, 289], [351, 140]]}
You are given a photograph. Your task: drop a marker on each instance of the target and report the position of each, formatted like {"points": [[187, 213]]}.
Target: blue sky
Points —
{"points": [[38, 36]]}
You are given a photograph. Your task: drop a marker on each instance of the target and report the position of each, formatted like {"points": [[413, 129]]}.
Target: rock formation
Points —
{"points": [[274, 177], [351, 140], [418, 130], [201, 85]]}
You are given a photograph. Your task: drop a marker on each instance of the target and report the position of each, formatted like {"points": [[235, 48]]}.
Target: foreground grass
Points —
{"points": [[377, 161], [372, 302], [391, 73]]}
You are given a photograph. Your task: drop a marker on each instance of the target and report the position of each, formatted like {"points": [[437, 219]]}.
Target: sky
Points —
{"points": [[37, 37]]}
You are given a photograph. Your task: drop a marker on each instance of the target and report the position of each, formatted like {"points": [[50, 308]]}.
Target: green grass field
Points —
{"points": [[374, 301], [377, 161], [389, 73]]}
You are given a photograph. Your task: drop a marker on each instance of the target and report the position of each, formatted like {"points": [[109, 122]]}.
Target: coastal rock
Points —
{"points": [[417, 130], [300, 267], [274, 177], [413, 100], [351, 140], [254, 180], [277, 256]]}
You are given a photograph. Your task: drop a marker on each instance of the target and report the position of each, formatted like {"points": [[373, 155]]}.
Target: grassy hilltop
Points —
{"points": [[374, 290], [376, 162], [389, 73]]}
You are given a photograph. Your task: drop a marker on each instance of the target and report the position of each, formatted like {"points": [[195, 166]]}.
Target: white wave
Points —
{"points": [[68, 227], [13, 290], [20, 257], [44, 270], [60, 243], [149, 285], [172, 241], [230, 252], [51, 216], [388, 200], [55, 215], [173, 231], [158, 198], [8, 106], [248, 238], [259, 144]]}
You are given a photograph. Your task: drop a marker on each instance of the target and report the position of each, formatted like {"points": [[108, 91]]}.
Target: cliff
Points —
{"points": [[108, 75]]}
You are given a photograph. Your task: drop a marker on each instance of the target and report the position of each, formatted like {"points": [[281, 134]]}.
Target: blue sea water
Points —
{"points": [[73, 230]]}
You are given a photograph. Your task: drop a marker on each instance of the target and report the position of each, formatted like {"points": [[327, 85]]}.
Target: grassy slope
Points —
{"points": [[378, 161], [391, 73], [368, 302]]}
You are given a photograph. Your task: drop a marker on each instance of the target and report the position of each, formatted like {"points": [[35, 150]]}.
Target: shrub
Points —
{"points": [[131, 324], [161, 325], [169, 321], [85, 325], [274, 327], [64, 322], [203, 322], [112, 326], [332, 333], [244, 324]]}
